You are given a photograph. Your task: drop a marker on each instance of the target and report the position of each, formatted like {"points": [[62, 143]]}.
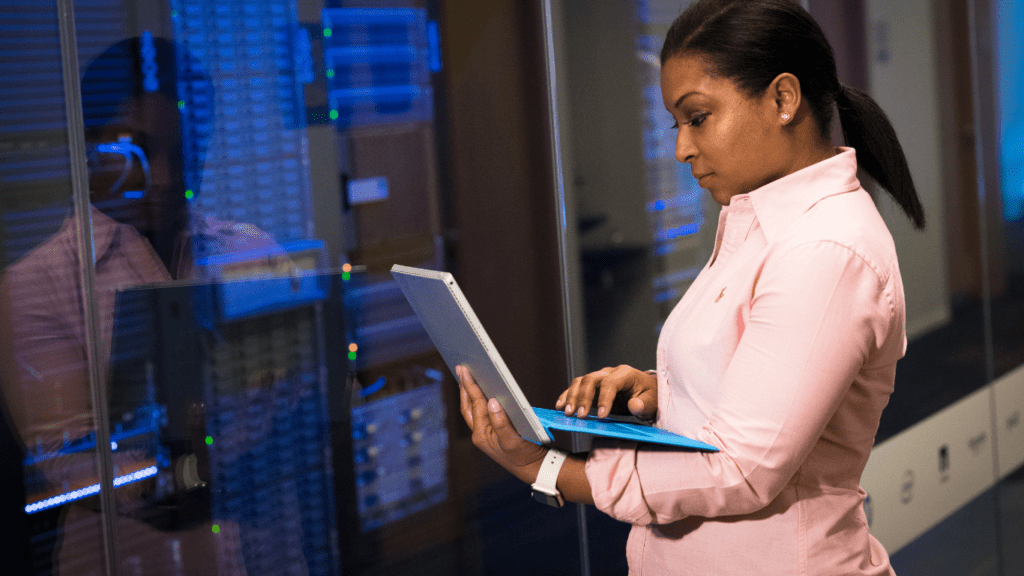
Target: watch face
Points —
{"points": [[542, 496]]}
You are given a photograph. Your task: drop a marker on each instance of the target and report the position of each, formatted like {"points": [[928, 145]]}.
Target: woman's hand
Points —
{"points": [[493, 432], [639, 387]]}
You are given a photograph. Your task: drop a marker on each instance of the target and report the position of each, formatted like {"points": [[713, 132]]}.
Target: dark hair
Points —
{"points": [[125, 70], [122, 73], [751, 42]]}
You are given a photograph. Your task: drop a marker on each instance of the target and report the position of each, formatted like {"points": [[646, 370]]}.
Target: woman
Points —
{"points": [[783, 351]]}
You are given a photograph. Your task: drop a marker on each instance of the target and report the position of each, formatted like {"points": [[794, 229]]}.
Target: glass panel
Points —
{"points": [[51, 478], [1008, 266], [644, 233], [1008, 278], [645, 229], [941, 267], [254, 170]]}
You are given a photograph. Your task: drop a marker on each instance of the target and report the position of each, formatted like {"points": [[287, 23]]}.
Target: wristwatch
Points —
{"points": [[544, 488]]}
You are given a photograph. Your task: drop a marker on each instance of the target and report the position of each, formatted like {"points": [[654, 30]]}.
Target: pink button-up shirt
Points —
{"points": [[782, 353]]}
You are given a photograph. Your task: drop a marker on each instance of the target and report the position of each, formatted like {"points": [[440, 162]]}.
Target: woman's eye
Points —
{"points": [[697, 120]]}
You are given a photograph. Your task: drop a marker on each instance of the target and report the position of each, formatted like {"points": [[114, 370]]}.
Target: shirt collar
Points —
{"points": [[778, 203], [104, 231]]}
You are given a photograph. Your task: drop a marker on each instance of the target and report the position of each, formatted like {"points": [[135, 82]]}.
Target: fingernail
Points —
{"points": [[579, 412], [602, 411], [568, 409], [493, 405]]}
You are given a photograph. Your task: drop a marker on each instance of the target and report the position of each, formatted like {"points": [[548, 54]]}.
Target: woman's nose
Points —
{"points": [[685, 150]]}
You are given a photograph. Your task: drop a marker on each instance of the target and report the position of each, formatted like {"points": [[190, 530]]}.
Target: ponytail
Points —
{"points": [[868, 130]]}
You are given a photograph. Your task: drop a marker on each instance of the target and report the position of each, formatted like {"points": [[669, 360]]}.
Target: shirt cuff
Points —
{"points": [[615, 482]]}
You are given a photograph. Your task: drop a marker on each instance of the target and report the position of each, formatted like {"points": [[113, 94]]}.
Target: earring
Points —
{"points": [[785, 116]]}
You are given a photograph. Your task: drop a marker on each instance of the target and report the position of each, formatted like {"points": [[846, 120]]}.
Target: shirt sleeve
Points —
{"points": [[819, 314]]}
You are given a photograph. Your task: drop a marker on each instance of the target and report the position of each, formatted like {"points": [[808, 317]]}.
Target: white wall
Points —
{"points": [[903, 79]]}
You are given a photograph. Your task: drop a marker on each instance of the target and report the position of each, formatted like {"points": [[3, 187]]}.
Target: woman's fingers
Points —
{"points": [[643, 409], [596, 393], [476, 413], [471, 400], [609, 390], [560, 403], [567, 401], [617, 380], [493, 432], [643, 402], [467, 413], [508, 438], [581, 393]]}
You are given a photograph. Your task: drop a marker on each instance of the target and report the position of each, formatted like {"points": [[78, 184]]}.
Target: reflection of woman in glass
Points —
{"points": [[139, 220], [783, 351]]}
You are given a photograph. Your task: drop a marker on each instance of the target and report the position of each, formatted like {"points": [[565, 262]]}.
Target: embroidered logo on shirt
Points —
{"points": [[720, 294]]}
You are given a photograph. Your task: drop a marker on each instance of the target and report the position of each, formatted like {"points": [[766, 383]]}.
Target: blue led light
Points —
{"points": [[149, 67], [372, 387], [433, 46], [672, 233], [666, 295], [89, 490]]}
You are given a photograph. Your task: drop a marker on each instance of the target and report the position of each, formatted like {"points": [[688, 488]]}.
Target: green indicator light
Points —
{"points": [[181, 104], [334, 114], [346, 276], [330, 73], [327, 32], [209, 440], [189, 194], [215, 528], [174, 13], [351, 355]]}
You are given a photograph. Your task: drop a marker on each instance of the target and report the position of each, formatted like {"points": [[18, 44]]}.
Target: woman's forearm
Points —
{"points": [[572, 480]]}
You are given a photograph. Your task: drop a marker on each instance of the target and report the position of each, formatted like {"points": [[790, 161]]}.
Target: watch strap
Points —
{"points": [[547, 477]]}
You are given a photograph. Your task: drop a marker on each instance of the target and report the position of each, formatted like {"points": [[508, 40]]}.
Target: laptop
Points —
{"points": [[460, 338]]}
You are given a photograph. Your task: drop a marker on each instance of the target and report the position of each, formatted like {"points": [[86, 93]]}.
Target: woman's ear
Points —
{"points": [[785, 93]]}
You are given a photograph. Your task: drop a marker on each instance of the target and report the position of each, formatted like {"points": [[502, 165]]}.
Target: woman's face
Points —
{"points": [[732, 142]]}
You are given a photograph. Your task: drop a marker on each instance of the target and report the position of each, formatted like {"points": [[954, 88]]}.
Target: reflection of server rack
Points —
{"points": [[676, 204], [399, 444], [379, 65], [379, 83], [259, 369], [246, 141]]}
